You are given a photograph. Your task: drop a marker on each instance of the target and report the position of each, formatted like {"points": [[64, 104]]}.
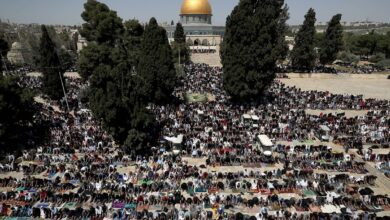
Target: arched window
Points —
{"points": [[196, 42]]}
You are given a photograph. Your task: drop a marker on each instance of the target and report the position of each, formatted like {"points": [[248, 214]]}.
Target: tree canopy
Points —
{"points": [[179, 35], [4, 48], [332, 43], [155, 66], [102, 25], [368, 44], [318, 38], [117, 92], [91, 57], [303, 56], [132, 39], [50, 66], [116, 98], [103, 29], [16, 114], [254, 41], [384, 45], [180, 48]]}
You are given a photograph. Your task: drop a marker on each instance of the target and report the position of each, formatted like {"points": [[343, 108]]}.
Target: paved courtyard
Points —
{"points": [[371, 86]]}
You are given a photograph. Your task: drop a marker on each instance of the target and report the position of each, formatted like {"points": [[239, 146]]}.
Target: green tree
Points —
{"points": [[384, 45], [180, 48], [347, 57], [132, 40], [179, 35], [348, 38], [50, 66], [359, 45], [65, 40], [116, 93], [91, 57], [106, 102], [377, 58], [364, 45], [4, 48], [155, 66], [117, 99], [31, 55], [16, 114], [384, 63], [303, 56], [73, 43], [333, 41], [102, 25], [67, 59], [103, 29], [253, 42], [136, 139], [281, 47], [318, 38]]}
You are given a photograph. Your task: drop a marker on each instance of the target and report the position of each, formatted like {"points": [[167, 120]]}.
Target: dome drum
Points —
{"points": [[195, 19]]}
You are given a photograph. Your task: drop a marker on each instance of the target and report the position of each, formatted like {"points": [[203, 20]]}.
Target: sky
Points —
{"points": [[68, 11]]}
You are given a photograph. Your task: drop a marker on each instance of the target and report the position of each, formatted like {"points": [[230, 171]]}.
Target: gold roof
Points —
{"points": [[196, 7]]}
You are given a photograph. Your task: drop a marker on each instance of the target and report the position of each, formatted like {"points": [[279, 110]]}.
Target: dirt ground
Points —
{"points": [[370, 86]]}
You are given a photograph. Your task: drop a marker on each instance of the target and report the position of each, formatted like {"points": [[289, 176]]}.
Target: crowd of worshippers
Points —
{"points": [[30, 82], [283, 68], [203, 50], [364, 69], [337, 69], [26, 68], [79, 173], [11, 70], [283, 117], [169, 183]]}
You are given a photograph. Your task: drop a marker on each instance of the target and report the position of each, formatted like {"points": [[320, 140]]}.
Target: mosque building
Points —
{"points": [[196, 18]]}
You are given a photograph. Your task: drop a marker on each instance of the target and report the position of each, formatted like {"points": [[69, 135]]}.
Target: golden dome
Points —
{"points": [[196, 7]]}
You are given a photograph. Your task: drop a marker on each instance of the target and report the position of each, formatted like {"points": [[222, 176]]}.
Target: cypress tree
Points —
{"points": [[133, 37], [384, 45], [49, 63], [116, 95], [16, 114], [253, 42], [102, 28], [179, 34], [155, 66], [4, 48], [91, 57], [180, 46], [102, 24], [333, 41], [303, 55]]}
